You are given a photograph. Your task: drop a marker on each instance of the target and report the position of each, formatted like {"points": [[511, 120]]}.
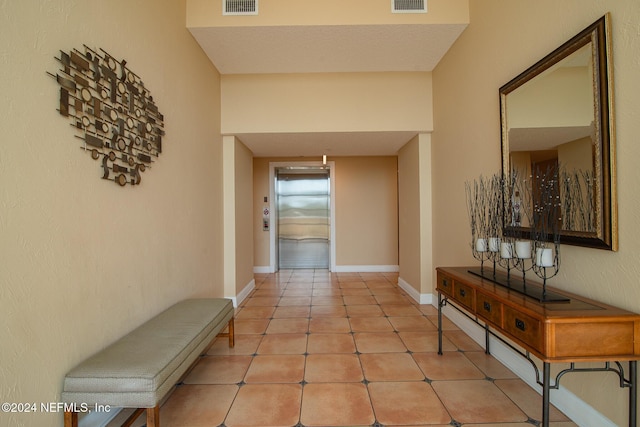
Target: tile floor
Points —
{"points": [[347, 349]]}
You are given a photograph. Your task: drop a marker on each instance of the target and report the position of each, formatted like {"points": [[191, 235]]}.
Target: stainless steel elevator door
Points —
{"points": [[303, 218]]}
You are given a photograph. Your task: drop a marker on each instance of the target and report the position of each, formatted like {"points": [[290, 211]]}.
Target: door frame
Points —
{"points": [[273, 217]]}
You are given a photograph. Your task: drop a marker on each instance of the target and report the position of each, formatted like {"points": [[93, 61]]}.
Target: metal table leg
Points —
{"points": [[546, 376], [439, 323], [633, 393]]}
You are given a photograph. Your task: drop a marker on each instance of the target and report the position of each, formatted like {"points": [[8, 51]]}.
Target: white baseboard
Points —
{"points": [[244, 293], [575, 408], [366, 268], [265, 269], [413, 293]]}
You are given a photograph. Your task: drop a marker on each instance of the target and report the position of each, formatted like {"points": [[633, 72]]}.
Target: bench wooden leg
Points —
{"points": [[231, 334], [132, 418], [70, 419], [153, 416]]}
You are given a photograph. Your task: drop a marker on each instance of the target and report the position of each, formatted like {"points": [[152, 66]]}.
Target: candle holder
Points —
{"points": [[480, 251], [508, 259], [547, 263]]}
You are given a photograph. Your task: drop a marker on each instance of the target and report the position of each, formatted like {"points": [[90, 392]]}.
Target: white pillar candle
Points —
{"points": [[494, 244], [481, 245], [523, 249], [506, 250], [544, 257]]}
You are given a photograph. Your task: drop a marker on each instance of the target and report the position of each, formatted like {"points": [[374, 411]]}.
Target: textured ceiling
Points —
{"points": [[326, 49]]}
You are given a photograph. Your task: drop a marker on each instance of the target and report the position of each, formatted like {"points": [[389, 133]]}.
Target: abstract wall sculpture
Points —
{"points": [[112, 111]]}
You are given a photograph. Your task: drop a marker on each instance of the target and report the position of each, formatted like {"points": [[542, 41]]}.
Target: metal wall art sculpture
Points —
{"points": [[113, 112]]}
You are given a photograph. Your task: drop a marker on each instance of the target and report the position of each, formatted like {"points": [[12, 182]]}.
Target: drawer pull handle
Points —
{"points": [[520, 325], [487, 306], [445, 283], [462, 293]]}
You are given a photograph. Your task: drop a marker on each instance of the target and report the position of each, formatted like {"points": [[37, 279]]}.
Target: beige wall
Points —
{"points": [[366, 207], [504, 38], [83, 260], [415, 215], [409, 213], [244, 216], [337, 102], [366, 211]]}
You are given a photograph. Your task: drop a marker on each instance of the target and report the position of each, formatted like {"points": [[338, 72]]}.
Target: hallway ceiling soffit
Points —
{"points": [[326, 49], [333, 144]]}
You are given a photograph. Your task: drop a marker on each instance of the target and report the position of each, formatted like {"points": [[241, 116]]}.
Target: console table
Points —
{"points": [[575, 330]]}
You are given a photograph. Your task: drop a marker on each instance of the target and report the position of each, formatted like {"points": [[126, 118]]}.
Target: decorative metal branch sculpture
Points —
{"points": [[477, 210], [547, 220]]}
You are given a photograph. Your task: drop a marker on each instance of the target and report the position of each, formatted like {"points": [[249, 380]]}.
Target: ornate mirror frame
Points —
{"points": [[593, 43]]}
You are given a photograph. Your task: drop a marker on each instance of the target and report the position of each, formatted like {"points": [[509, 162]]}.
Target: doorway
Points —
{"points": [[303, 212]]}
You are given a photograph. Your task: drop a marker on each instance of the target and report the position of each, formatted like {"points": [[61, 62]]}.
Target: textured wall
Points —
{"points": [[504, 38], [84, 261]]}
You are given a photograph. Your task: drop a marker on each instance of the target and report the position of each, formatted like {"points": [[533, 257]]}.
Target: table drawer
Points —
{"points": [[523, 327], [445, 284], [463, 294], [489, 309]]}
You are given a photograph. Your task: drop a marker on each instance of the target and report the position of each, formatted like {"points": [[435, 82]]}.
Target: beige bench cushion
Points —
{"points": [[138, 370]]}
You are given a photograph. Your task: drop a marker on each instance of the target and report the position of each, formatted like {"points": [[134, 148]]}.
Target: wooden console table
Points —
{"points": [[577, 330]]}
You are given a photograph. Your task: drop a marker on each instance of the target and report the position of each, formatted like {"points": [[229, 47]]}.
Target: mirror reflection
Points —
{"points": [[556, 131]]}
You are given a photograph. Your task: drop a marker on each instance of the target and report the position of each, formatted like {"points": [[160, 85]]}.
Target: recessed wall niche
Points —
{"points": [[112, 111]]}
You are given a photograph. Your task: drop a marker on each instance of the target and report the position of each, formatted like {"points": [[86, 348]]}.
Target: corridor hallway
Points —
{"points": [[315, 348]]}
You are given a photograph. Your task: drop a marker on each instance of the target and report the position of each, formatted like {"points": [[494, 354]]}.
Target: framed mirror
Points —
{"points": [[558, 116]]}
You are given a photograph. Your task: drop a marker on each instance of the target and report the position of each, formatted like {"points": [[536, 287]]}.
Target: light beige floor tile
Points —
{"points": [[528, 400], [256, 312], [197, 405], [424, 342], [292, 311], [407, 403], [412, 323], [277, 368], [364, 311], [331, 325], [328, 311], [251, 326], [330, 343], [298, 325], [489, 365], [244, 345], [450, 365], [390, 367], [289, 301], [399, 310], [462, 341], [219, 370], [359, 300], [478, 401], [283, 344], [327, 300], [333, 368], [370, 324], [379, 342], [265, 405], [336, 404]]}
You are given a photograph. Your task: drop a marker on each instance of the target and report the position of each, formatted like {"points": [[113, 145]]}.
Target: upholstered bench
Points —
{"points": [[140, 369]]}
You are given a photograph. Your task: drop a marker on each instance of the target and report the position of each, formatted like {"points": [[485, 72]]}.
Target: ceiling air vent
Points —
{"points": [[408, 6], [240, 7]]}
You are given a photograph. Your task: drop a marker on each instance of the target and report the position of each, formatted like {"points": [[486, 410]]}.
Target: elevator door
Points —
{"points": [[303, 218]]}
